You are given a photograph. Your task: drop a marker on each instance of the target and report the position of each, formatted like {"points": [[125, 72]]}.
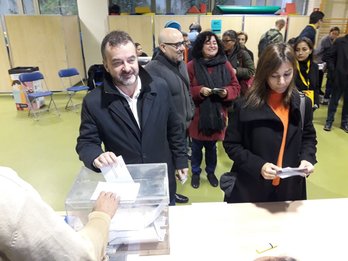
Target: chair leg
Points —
{"points": [[70, 102], [32, 110], [55, 106]]}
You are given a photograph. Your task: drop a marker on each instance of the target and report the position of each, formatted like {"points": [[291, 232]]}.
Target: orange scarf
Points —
{"points": [[275, 101]]}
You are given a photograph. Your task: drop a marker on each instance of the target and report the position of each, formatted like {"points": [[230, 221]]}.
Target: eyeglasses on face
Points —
{"points": [[227, 41], [176, 45]]}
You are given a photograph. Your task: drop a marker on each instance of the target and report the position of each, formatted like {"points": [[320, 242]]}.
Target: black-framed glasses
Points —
{"points": [[176, 45], [227, 41]]}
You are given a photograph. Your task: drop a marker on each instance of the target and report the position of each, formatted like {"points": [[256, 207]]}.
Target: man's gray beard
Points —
{"points": [[129, 81]]}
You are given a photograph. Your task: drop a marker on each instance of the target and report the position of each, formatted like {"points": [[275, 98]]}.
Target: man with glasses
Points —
{"points": [[169, 65], [132, 115]]}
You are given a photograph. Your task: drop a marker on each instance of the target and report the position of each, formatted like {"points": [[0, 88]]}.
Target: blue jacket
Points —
{"points": [[309, 32]]}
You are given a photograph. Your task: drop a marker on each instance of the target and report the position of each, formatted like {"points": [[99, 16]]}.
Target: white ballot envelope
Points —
{"points": [[117, 172], [290, 172], [127, 192]]}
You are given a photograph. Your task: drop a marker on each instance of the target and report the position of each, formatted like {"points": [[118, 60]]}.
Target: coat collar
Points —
{"points": [[266, 112], [117, 104]]}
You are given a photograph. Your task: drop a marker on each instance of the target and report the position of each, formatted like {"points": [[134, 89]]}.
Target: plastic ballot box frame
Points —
{"points": [[153, 194]]}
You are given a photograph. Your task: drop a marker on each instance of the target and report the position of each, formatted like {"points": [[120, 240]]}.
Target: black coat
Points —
{"points": [[337, 59], [254, 137], [313, 76], [106, 119], [177, 80]]}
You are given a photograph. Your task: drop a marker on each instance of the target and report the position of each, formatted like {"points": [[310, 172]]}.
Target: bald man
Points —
{"points": [[169, 65]]}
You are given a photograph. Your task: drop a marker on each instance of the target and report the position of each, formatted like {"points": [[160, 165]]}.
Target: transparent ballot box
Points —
{"points": [[139, 226]]}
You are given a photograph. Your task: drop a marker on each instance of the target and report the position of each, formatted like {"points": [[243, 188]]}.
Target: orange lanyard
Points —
{"points": [[306, 83]]}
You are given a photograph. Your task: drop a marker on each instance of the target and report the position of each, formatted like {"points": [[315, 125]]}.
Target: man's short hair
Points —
{"points": [[115, 38], [280, 22], [316, 16], [335, 28]]}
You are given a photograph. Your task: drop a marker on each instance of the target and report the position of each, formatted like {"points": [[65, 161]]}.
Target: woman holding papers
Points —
{"points": [[31, 230], [213, 86], [266, 133]]}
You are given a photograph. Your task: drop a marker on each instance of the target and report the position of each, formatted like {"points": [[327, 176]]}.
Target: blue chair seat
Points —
{"points": [[32, 97], [71, 73], [36, 95], [78, 88]]}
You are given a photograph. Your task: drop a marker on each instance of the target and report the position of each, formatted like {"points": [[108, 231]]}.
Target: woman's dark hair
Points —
{"points": [[307, 41], [231, 34], [304, 39], [269, 62], [202, 38], [136, 45], [195, 27]]}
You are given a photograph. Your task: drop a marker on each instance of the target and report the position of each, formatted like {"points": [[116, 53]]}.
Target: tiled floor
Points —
{"points": [[43, 153]]}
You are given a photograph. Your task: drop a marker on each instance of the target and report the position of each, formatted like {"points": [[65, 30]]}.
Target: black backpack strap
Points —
{"points": [[302, 108]]}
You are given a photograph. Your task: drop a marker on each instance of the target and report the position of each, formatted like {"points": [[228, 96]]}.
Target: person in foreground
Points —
{"points": [[31, 230], [265, 133], [132, 115]]}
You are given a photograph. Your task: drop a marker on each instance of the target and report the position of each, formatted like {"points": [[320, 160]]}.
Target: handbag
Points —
{"points": [[245, 85], [227, 182]]}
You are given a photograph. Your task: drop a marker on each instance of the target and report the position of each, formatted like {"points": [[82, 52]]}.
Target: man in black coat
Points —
{"points": [[337, 59], [168, 64], [132, 115]]}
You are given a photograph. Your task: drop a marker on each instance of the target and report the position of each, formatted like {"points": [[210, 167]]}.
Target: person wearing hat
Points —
{"points": [[173, 24]]}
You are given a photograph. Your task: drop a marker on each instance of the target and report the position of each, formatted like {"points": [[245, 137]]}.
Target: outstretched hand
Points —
{"points": [[107, 202]]}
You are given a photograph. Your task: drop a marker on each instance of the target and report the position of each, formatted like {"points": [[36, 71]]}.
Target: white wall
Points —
{"points": [[94, 26]]}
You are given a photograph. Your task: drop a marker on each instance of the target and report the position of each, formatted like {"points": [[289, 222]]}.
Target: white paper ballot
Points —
{"points": [[117, 172], [289, 172], [127, 192]]}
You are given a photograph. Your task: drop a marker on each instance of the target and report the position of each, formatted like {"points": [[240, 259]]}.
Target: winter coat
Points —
{"points": [[232, 93], [254, 137], [106, 119], [179, 86], [313, 76], [242, 62]]}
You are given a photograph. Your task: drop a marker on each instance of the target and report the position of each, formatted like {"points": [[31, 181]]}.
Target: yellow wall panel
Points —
{"points": [[43, 41], [73, 44], [139, 27], [296, 25], [255, 27]]}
